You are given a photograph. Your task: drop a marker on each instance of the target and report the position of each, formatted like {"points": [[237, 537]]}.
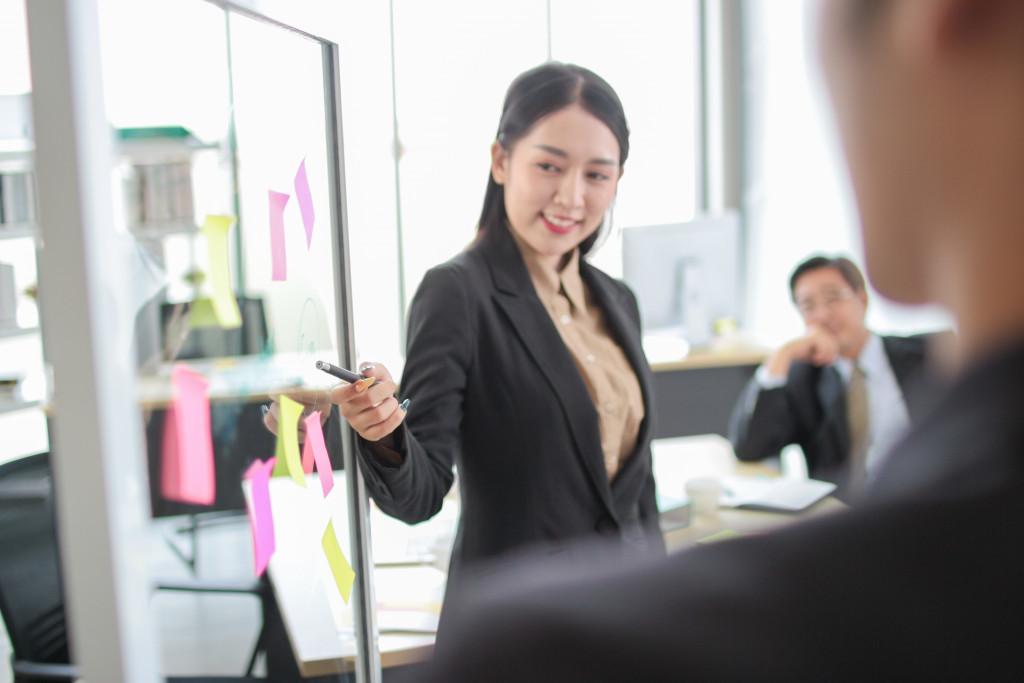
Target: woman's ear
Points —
{"points": [[499, 162]]}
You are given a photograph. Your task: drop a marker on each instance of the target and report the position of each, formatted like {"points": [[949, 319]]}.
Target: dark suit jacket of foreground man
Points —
{"points": [[810, 410], [923, 581]]}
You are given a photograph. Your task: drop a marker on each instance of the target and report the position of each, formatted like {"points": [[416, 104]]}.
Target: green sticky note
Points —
{"points": [[344, 576], [289, 462], [225, 306]]}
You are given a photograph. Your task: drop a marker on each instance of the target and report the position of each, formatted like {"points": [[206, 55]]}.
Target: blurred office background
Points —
{"points": [[731, 143], [724, 100]]}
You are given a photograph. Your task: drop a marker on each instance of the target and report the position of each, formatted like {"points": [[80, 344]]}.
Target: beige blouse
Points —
{"points": [[609, 377]]}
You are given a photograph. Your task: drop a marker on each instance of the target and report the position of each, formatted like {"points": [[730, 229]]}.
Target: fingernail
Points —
{"points": [[365, 368], [405, 405], [364, 384], [265, 409]]}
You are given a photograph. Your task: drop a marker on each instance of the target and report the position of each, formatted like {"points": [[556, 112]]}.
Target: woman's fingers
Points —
{"points": [[376, 422], [310, 401]]}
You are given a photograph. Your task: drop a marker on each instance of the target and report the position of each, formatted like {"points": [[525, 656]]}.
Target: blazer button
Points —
{"points": [[606, 527]]}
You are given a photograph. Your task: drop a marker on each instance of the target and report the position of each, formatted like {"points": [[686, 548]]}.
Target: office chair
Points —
{"points": [[31, 591]]}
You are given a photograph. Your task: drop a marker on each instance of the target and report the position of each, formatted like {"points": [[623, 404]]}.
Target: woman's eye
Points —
{"points": [[544, 166], [597, 176]]}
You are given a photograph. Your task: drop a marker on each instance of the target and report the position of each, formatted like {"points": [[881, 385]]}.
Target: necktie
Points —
{"points": [[860, 433]]}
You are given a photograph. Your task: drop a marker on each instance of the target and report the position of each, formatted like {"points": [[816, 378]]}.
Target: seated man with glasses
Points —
{"points": [[841, 392]]}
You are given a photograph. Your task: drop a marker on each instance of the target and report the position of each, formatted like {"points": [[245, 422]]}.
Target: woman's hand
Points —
{"points": [[372, 411], [311, 400]]}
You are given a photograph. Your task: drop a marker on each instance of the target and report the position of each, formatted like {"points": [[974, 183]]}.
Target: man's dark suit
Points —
{"points": [[810, 410], [495, 390], [922, 581]]}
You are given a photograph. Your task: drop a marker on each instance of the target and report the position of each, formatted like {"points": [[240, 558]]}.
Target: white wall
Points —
{"points": [[798, 200]]}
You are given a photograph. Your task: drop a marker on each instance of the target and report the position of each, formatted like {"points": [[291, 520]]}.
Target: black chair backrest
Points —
{"points": [[31, 592]]}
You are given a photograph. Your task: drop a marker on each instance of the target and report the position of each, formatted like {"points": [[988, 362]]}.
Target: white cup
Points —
{"points": [[704, 495]]}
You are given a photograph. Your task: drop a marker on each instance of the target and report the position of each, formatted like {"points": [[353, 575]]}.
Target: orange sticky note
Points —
{"points": [[187, 472], [344, 576], [261, 518], [288, 460], [316, 451]]}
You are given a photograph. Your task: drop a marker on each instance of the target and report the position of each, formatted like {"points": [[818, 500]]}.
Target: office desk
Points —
{"points": [[678, 459], [239, 378], [411, 562], [408, 586], [696, 395]]}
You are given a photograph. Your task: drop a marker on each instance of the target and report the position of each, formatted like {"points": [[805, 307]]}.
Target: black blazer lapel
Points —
{"points": [[516, 296]]}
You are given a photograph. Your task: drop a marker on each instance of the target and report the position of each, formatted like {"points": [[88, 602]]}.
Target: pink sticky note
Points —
{"points": [[307, 457], [305, 201], [279, 265], [187, 463], [315, 443], [261, 519]]}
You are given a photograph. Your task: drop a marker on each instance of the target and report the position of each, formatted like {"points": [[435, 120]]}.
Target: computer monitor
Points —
{"points": [[685, 275]]}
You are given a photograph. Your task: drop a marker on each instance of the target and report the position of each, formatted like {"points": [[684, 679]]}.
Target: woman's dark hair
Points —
{"points": [[533, 95]]}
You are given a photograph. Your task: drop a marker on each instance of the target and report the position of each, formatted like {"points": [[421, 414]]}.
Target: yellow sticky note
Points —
{"points": [[289, 462], [344, 576], [202, 314], [225, 306]]}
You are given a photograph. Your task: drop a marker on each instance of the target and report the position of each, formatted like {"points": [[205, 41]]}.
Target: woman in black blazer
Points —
{"points": [[494, 389]]}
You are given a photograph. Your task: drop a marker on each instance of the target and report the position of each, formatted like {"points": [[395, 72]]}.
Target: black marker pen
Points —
{"points": [[351, 378], [340, 373]]}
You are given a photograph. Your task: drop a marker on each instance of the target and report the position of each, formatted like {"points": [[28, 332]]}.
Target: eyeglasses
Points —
{"points": [[829, 299]]}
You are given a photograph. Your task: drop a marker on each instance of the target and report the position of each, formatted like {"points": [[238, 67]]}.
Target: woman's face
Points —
{"points": [[559, 180]]}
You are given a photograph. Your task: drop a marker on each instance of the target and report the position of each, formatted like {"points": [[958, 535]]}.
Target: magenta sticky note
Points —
{"points": [[305, 199], [315, 441], [307, 457], [279, 265], [187, 472], [261, 518]]}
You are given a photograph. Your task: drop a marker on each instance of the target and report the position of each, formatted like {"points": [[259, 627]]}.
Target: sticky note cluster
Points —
{"points": [[277, 203]]}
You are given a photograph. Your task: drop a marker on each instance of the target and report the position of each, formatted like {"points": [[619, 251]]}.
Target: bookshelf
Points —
{"points": [[22, 370], [155, 167]]}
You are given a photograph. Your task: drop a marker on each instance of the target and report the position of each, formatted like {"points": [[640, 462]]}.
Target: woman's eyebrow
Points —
{"points": [[562, 153]]}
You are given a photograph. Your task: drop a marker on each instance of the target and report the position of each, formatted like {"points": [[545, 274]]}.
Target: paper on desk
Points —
{"points": [[288, 461], [186, 468], [278, 262], [315, 451], [261, 518], [773, 493], [342, 571], [305, 200], [225, 306], [406, 621]]}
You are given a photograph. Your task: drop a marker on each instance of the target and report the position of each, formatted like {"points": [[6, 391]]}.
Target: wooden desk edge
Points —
{"points": [[713, 359], [400, 655]]}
